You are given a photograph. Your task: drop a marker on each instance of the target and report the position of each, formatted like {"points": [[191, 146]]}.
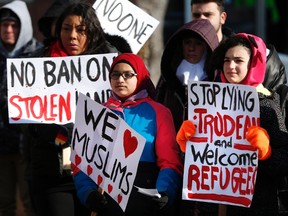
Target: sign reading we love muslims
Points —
{"points": [[220, 165], [106, 149]]}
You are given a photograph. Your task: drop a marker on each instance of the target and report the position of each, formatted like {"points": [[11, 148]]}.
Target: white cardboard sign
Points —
{"points": [[45, 90], [118, 17], [220, 165], [106, 149]]}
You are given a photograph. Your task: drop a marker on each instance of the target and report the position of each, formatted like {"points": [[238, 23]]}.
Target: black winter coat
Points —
{"points": [[270, 171]]}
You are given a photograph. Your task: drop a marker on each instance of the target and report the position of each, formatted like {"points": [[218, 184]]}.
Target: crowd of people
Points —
{"points": [[200, 50]]}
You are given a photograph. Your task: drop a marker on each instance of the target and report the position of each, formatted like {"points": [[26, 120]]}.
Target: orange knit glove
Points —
{"points": [[186, 132], [259, 138]]}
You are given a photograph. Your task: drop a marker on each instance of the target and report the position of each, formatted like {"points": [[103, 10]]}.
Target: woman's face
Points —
{"points": [[123, 87], [193, 49], [74, 35], [236, 64]]}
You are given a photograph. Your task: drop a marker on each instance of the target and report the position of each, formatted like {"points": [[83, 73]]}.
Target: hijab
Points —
{"points": [[143, 77], [256, 72]]}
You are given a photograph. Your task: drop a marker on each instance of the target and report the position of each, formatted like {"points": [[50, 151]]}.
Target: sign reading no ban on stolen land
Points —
{"points": [[45, 90], [106, 149], [122, 18], [220, 165]]}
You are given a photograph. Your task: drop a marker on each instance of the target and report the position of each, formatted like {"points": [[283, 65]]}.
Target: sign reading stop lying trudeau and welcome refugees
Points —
{"points": [[123, 18], [106, 149], [45, 90], [220, 165]]}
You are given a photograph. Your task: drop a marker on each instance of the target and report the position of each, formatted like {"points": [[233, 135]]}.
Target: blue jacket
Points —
{"points": [[160, 165]]}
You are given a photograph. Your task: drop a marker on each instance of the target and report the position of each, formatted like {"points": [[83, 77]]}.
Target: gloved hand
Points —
{"points": [[95, 201], [258, 137], [162, 201], [186, 132]]}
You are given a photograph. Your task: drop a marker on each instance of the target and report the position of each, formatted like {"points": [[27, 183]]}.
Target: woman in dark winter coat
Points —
{"points": [[241, 59], [77, 32], [264, 201], [171, 88]]}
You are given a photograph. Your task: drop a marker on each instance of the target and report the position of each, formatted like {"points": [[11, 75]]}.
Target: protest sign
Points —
{"points": [[220, 165], [45, 90], [122, 18], [106, 149]]}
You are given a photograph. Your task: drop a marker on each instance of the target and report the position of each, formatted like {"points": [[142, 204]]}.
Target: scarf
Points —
{"points": [[56, 50], [188, 71], [115, 103]]}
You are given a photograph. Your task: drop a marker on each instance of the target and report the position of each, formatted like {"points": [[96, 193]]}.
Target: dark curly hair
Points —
{"points": [[96, 42]]}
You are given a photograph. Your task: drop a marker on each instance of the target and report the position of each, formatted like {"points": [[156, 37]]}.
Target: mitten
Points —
{"points": [[259, 138], [185, 133], [162, 201], [96, 201]]}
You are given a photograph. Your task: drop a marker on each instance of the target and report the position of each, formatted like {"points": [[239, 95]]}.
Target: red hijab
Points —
{"points": [[143, 76], [56, 50]]}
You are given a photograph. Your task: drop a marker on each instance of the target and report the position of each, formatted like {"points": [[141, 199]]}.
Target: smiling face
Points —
{"points": [[73, 35], [123, 88], [236, 64]]}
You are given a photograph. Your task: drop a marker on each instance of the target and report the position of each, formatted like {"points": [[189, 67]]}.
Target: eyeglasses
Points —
{"points": [[116, 75]]}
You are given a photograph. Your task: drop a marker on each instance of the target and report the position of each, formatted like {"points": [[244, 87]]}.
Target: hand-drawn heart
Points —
{"points": [[77, 160], [130, 143], [110, 188], [119, 198], [89, 170], [99, 180]]}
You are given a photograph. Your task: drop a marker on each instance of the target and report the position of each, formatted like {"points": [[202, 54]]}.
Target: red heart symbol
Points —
{"points": [[77, 160], [130, 143], [89, 170], [110, 188], [119, 198], [99, 180]]}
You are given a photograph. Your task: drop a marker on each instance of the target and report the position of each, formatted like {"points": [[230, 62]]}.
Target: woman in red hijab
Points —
{"points": [[160, 166]]}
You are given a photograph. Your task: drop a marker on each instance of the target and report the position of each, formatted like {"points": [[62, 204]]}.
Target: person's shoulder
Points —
{"points": [[159, 107], [32, 46], [42, 51], [118, 43]]}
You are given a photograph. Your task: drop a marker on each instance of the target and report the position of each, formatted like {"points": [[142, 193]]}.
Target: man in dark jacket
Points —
{"points": [[214, 11], [16, 41]]}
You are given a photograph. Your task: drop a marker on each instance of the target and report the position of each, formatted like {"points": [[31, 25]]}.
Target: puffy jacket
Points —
{"points": [[160, 166]]}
